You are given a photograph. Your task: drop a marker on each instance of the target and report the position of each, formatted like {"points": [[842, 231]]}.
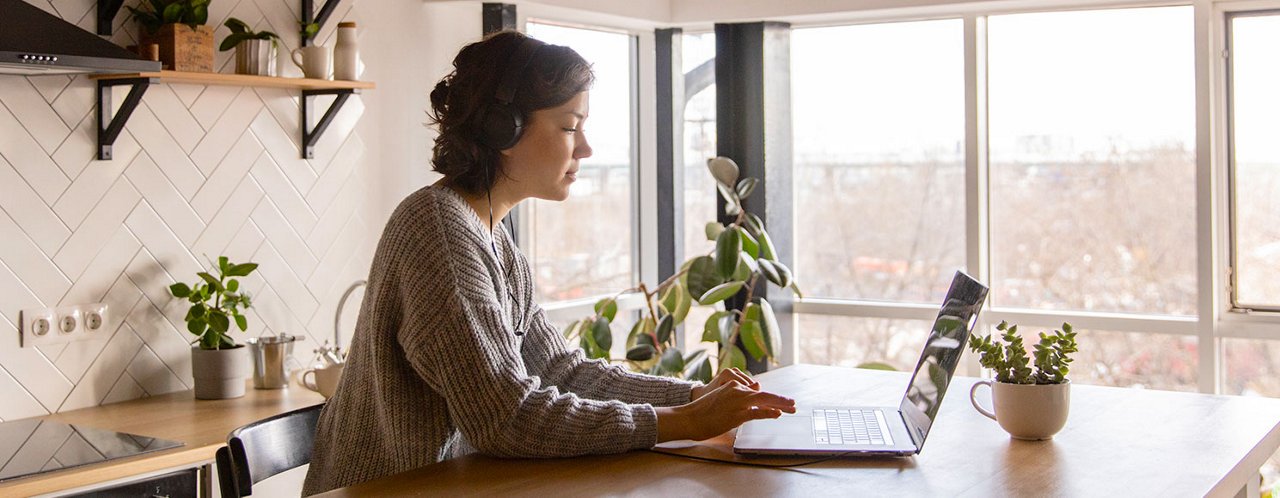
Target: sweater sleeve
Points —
{"points": [[551, 358], [455, 336]]}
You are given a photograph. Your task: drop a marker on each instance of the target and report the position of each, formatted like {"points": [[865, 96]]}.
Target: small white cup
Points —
{"points": [[1026, 411], [324, 380], [315, 61]]}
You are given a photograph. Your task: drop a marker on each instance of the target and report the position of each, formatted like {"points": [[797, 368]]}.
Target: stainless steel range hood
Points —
{"points": [[33, 42]]}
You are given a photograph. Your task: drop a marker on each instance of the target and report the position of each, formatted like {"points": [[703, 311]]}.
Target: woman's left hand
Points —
{"points": [[726, 376]]}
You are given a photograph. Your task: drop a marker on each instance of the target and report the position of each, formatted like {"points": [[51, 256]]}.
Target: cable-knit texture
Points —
{"points": [[436, 369]]}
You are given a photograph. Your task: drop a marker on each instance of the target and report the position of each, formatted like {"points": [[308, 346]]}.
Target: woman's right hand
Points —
{"points": [[718, 411]]}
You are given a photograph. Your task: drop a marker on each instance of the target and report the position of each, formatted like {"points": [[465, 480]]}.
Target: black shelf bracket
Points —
{"points": [[109, 127], [309, 15], [107, 10], [311, 136]]}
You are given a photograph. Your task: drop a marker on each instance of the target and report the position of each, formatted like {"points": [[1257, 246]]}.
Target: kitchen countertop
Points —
{"points": [[201, 425]]}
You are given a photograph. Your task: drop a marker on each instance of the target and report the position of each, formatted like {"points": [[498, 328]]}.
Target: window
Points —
{"points": [[1254, 77], [1092, 160], [697, 60], [585, 246], [879, 159]]}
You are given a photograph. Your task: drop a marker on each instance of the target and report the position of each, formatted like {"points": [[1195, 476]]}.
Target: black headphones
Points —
{"points": [[502, 123]]}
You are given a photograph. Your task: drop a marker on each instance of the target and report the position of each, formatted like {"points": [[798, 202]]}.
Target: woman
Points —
{"points": [[451, 355]]}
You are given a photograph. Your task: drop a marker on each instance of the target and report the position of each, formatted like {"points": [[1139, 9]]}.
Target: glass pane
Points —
{"points": [[1128, 359], [698, 59], [879, 159], [851, 341], [1092, 151], [1255, 112], [1253, 369], [583, 246]]}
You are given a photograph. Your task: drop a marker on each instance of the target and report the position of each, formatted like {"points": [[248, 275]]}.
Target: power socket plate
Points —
{"points": [[46, 326]]}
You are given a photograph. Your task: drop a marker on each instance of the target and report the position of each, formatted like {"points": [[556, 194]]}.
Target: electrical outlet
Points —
{"points": [[68, 319], [37, 326], [95, 317]]}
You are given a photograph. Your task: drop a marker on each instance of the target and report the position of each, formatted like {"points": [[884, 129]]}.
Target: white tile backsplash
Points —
{"points": [[198, 171]]}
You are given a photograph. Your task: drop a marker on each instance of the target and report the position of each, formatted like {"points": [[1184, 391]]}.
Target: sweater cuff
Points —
{"points": [[645, 419], [677, 393]]}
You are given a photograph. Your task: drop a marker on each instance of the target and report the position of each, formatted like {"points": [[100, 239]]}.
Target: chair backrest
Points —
{"points": [[265, 448]]}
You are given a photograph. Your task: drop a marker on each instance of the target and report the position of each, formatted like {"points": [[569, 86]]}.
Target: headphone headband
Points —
{"points": [[516, 66]]}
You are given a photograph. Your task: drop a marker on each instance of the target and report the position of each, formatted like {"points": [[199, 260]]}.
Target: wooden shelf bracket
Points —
{"points": [[311, 135], [109, 127]]}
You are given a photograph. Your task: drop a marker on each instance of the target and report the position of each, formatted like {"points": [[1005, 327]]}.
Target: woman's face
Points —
{"points": [[545, 161]]}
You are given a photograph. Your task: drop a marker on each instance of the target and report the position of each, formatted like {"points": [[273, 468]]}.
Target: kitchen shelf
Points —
{"points": [[109, 129]]}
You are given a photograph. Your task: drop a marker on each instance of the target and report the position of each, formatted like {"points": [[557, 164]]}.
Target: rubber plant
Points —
{"points": [[215, 303], [743, 254], [193, 13]]}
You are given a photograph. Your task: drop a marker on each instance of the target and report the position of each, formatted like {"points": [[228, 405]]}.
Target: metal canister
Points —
{"points": [[270, 360]]}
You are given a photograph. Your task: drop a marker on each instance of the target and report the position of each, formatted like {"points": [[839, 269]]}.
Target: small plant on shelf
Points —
{"points": [[177, 29], [241, 31], [192, 13], [743, 254], [1010, 362]]}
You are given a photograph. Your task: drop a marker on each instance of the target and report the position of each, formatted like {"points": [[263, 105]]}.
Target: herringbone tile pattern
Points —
{"points": [[198, 172]]}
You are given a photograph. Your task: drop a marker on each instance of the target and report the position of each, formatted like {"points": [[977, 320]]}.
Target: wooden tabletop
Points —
{"points": [[1116, 442], [202, 425]]}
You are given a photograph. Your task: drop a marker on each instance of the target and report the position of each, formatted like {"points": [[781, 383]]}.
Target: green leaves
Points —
{"points": [[602, 334], [724, 170], [677, 302], [702, 276], [216, 303], [727, 246], [1010, 362], [720, 292], [607, 308]]}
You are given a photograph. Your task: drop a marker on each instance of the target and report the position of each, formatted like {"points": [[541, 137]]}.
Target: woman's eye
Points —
{"points": [[571, 130]]}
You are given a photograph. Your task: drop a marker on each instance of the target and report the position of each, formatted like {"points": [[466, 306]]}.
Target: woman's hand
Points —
{"points": [[726, 376], [720, 410]]}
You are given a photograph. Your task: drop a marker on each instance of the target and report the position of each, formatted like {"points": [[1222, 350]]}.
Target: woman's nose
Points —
{"points": [[583, 149]]}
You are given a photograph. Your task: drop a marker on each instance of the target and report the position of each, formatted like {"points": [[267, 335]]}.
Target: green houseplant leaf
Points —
{"points": [[215, 303], [728, 244], [720, 292]]}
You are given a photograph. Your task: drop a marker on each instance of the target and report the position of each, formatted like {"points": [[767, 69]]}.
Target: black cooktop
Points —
{"points": [[32, 446]]}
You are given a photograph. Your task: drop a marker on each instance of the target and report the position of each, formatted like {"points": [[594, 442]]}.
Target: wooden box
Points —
{"points": [[183, 48]]}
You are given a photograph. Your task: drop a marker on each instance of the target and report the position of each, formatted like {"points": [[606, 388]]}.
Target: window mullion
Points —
{"points": [[977, 212]]}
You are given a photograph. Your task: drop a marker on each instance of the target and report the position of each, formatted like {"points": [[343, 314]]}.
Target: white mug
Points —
{"points": [[325, 380], [1026, 411], [316, 61]]}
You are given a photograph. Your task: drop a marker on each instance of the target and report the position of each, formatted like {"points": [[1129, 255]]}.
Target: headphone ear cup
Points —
{"points": [[503, 125]]}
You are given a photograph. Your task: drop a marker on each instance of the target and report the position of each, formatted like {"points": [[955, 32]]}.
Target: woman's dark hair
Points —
{"points": [[553, 76]]}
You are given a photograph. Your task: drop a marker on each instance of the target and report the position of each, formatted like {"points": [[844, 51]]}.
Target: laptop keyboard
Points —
{"points": [[850, 426]]}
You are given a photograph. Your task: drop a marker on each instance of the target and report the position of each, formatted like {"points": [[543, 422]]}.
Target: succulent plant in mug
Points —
{"points": [[210, 322], [1010, 362], [743, 254]]}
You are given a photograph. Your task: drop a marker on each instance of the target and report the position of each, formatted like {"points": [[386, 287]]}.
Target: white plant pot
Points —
{"points": [[256, 57], [220, 373]]}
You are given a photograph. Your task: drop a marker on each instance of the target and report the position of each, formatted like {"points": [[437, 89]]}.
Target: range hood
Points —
{"points": [[34, 42]]}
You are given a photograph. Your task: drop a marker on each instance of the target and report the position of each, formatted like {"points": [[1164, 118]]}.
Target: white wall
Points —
{"points": [[203, 171]]}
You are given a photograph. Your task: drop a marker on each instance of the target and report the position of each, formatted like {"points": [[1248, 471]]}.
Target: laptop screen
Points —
{"points": [[947, 341]]}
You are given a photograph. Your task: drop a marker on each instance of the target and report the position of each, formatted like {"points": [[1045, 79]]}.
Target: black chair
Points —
{"points": [[266, 448]]}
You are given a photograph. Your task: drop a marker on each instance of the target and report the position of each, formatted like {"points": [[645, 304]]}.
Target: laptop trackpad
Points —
{"points": [[786, 425]]}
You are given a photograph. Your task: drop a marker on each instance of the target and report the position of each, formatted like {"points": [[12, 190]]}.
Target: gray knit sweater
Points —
{"points": [[436, 369]]}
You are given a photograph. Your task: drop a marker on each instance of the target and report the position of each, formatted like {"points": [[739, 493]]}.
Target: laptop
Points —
{"points": [[879, 431]]}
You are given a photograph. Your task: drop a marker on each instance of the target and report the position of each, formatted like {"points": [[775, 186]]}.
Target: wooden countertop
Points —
{"points": [[202, 425]]}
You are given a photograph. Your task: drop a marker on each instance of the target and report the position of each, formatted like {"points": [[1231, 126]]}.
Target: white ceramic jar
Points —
{"points": [[346, 54]]}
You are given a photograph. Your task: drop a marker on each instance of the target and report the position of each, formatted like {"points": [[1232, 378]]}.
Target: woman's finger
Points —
{"points": [[757, 413]]}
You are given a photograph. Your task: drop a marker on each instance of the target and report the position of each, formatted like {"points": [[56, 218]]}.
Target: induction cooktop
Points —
{"points": [[32, 446]]}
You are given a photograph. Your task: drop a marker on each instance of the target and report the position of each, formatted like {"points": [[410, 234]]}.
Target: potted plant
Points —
{"points": [[744, 253], [255, 50], [218, 364], [178, 28], [1029, 403]]}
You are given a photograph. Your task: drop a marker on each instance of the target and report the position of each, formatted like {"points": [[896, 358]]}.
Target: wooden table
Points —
{"points": [[1116, 442], [202, 425]]}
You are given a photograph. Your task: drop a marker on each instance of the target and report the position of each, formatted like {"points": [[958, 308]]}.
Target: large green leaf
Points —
{"points": [[711, 329], [753, 338], [641, 333], [642, 352], [728, 245], [607, 307], [702, 276], [699, 370], [242, 270], [767, 250], [602, 334], [197, 326], [713, 230], [772, 332], [213, 282], [754, 224], [236, 26], [224, 264], [665, 326], [672, 362], [180, 290], [218, 321], [720, 292], [769, 271], [233, 285], [749, 243], [724, 170], [746, 265], [746, 186], [725, 326], [241, 322], [732, 357], [173, 13], [677, 302]]}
